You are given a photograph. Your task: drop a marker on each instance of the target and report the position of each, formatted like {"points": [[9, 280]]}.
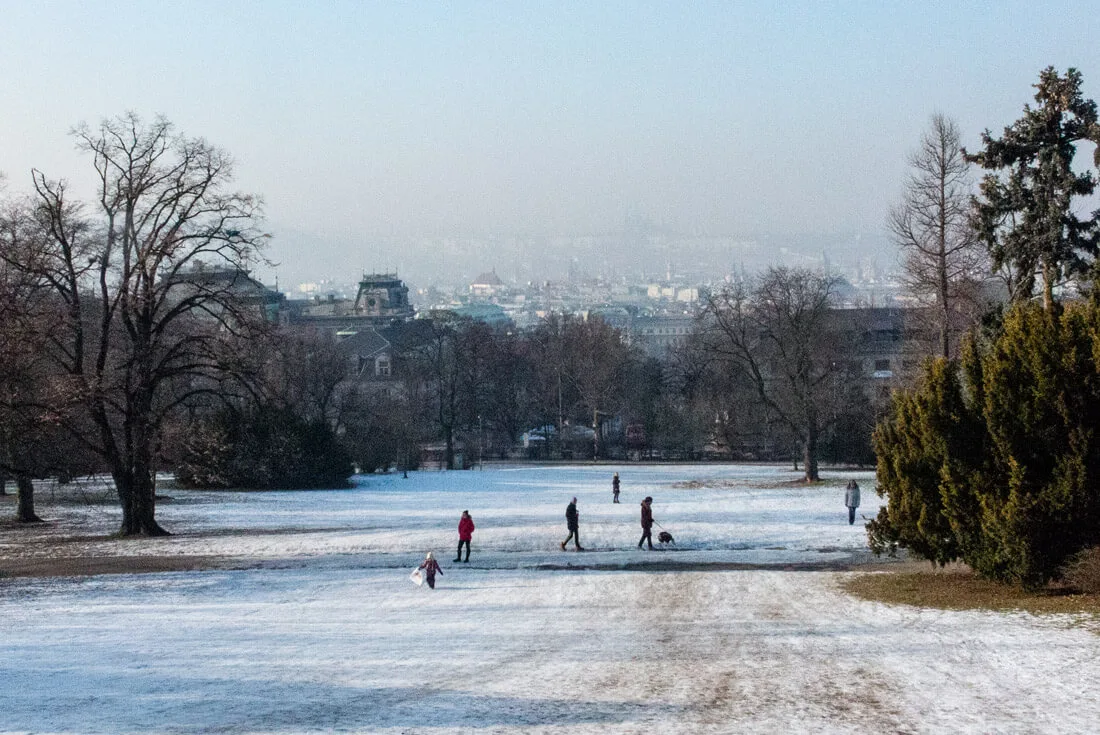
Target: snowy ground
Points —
{"points": [[743, 629]]}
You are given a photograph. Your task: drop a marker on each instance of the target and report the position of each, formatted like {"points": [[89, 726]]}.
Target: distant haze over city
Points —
{"points": [[634, 256], [618, 139]]}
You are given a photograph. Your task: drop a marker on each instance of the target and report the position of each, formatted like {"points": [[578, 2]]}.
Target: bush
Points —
{"points": [[377, 434], [1082, 572], [1040, 386], [265, 449], [912, 445], [996, 461]]}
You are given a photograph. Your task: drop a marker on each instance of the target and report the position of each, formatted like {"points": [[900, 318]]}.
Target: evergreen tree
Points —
{"points": [[998, 463], [913, 445], [1041, 403], [1026, 216], [263, 449]]}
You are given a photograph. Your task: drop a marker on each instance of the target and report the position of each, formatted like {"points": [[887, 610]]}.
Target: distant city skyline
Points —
{"points": [[375, 131], [688, 260]]}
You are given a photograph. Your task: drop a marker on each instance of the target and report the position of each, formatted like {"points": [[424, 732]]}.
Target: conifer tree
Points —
{"points": [[1040, 493], [997, 461], [913, 445], [1025, 215]]}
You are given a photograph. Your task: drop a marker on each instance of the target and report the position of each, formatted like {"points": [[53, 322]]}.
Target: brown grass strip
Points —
{"points": [[93, 566], [961, 589]]}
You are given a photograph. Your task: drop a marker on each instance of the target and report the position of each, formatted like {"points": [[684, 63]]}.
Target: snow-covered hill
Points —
{"points": [[743, 629]]}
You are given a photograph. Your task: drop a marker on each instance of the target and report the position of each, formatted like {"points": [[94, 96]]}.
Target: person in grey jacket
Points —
{"points": [[851, 499]]}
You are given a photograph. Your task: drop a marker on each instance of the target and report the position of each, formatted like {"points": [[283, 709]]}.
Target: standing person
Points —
{"points": [[851, 499], [647, 523], [465, 533], [430, 567], [573, 526], [615, 488]]}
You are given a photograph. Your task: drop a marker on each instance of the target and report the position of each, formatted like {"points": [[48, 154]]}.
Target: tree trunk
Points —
{"points": [[809, 452], [595, 434], [1048, 288], [945, 335], [944, 285], [24, 512], [449, 438], [945, 312], [135, 478], [137, 495]]}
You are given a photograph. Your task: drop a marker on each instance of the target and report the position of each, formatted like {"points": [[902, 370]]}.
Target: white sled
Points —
{"points": [[416, 577]]}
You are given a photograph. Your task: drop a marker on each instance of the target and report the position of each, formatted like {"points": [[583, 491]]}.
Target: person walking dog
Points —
{"points": [[647, 522], [851, 500]]}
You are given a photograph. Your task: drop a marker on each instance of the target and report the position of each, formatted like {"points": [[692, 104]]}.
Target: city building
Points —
{"points": [[382, 300]]}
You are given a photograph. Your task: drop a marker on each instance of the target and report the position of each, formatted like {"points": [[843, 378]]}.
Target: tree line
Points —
{"points": [[991, 457], [128, 346]]}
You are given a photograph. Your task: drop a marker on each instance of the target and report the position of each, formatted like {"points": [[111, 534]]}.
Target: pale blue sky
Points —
{"points": [[365, 121]]}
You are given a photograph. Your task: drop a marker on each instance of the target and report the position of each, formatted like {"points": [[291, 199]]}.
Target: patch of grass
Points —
{"points": [[713, 484], [960, 589]]}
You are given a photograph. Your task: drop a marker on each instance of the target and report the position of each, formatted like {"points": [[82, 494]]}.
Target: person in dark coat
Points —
{"points": [[573, 526], [430, 567], [615, 488], [851, 500], [465, 534], [647, 522]]}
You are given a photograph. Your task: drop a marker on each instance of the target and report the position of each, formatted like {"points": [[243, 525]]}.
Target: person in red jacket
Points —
{"points": [[465, 533], [647, 522], [431, 568]]}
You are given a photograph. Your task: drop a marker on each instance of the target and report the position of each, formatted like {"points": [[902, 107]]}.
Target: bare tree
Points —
{"points": [[302, 372], [597, 363], [583, 366], [464, 366], [943, 258], [134, 323], [431, 368], [723, 402], [510, 399], [23, 382], [776, 335]]}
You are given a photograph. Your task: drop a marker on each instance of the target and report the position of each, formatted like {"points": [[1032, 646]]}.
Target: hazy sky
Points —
{"points": [[368, 122]]}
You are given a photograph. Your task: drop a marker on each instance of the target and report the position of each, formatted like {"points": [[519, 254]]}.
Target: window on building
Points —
{"points": [[382, 366], [881, 365]]}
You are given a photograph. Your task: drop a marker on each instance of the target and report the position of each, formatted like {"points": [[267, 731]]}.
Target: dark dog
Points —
{"points": [[665, 538]]}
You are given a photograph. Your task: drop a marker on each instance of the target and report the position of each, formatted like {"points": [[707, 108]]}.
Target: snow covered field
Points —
{"points": [[742, 629]]}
